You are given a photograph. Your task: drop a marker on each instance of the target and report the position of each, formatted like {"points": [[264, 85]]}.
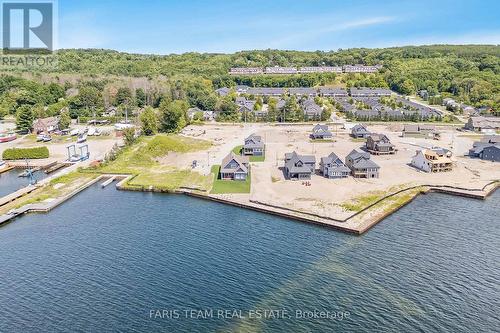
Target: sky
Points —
{"points": [[165, 27]]}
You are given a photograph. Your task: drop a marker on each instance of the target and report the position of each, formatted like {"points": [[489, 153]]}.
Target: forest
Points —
{"points": [[88, 82]]}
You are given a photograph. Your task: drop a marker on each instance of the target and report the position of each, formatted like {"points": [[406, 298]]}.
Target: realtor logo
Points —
{"points": [[28, 25]]}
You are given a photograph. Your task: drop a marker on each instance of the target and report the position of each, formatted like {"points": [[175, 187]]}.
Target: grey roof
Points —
{"points": [[332, 91], [293, 159], [318, 129], [360, 128], [370, 91], [241, 160], [280, 104], [335, 161], [379, 138], [254, 141], [361, 160], [311, 108], [266, 91], [223, 91], [302, 91]]}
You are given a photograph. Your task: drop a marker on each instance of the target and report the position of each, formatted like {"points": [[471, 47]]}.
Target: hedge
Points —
{"points": [[22, 153]]}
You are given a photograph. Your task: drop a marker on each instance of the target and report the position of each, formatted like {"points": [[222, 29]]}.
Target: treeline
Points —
{"points": [[468, 73]]}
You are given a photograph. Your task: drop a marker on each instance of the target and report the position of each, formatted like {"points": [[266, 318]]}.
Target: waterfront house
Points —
{"points": [[333, 167], [433, 160], [299, 167], [45, 125], [360, 131], [379, 144], [361, 165], [420, 131], [321, 132], [253, 146], [487, 149], [481, 123], [234, 167]]}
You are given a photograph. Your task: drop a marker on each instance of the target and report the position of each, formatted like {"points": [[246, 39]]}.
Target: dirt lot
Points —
{"points": [[325, 196]]}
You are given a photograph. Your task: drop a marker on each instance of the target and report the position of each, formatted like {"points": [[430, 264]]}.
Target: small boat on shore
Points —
{"points": [[7, 137], [2, 164], [82, 138]]}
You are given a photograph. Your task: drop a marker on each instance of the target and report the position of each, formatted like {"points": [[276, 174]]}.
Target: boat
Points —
{"points": [[2, 164], [26, 173], [47, 138], [81, 138], [7, 137], [122, 126], [74, 132], [91, 131]]}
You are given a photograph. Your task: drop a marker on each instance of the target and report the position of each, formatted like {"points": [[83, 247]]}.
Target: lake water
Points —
{"points": [[11, 182], [105, 259]]}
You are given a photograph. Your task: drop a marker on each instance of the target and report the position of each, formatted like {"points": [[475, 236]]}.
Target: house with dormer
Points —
{"points": [[254, 145], [332, 166], [321, 132], [234, 167], [299, 167]]}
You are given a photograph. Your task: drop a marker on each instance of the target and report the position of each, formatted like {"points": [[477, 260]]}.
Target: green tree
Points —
{"points": [[64, 119], [149, 121], [140, 97], [129, 136], [123, 96], [173, 116], [24, 118]]}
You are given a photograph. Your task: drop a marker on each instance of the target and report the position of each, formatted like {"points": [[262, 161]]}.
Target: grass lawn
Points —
{"points": [[237, 151], [228, 186], [362, 201], [140, 160]]}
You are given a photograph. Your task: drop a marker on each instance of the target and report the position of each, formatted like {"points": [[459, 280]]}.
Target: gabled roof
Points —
{"points": [[362, 160], [254, 141], [241, 160], [296, 163], [320, 129], [379, 138], [333, 159], [360, 128]]}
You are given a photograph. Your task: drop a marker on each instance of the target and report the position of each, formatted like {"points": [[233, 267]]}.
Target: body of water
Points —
{"points": [[106, 260], [11, 182]]}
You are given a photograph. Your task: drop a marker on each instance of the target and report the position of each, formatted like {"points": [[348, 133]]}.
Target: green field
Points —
{"points": [[237, 151], [228, 186], [140, 159]]}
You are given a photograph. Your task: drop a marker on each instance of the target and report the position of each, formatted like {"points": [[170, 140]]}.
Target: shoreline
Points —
{"points": [[356, 223]]}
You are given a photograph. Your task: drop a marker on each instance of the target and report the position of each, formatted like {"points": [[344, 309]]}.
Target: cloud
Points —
{"points": [[313, 33]]}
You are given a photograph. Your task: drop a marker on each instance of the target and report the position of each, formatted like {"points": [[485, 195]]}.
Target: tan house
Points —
{"points": [[46, 125], [433, 160]]}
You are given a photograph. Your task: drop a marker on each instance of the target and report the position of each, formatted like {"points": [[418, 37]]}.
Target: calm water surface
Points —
{"points": [[11, 182], [102, 261]]}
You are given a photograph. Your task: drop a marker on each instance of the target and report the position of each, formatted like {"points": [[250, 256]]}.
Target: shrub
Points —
{"points": [[22, 153]]}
